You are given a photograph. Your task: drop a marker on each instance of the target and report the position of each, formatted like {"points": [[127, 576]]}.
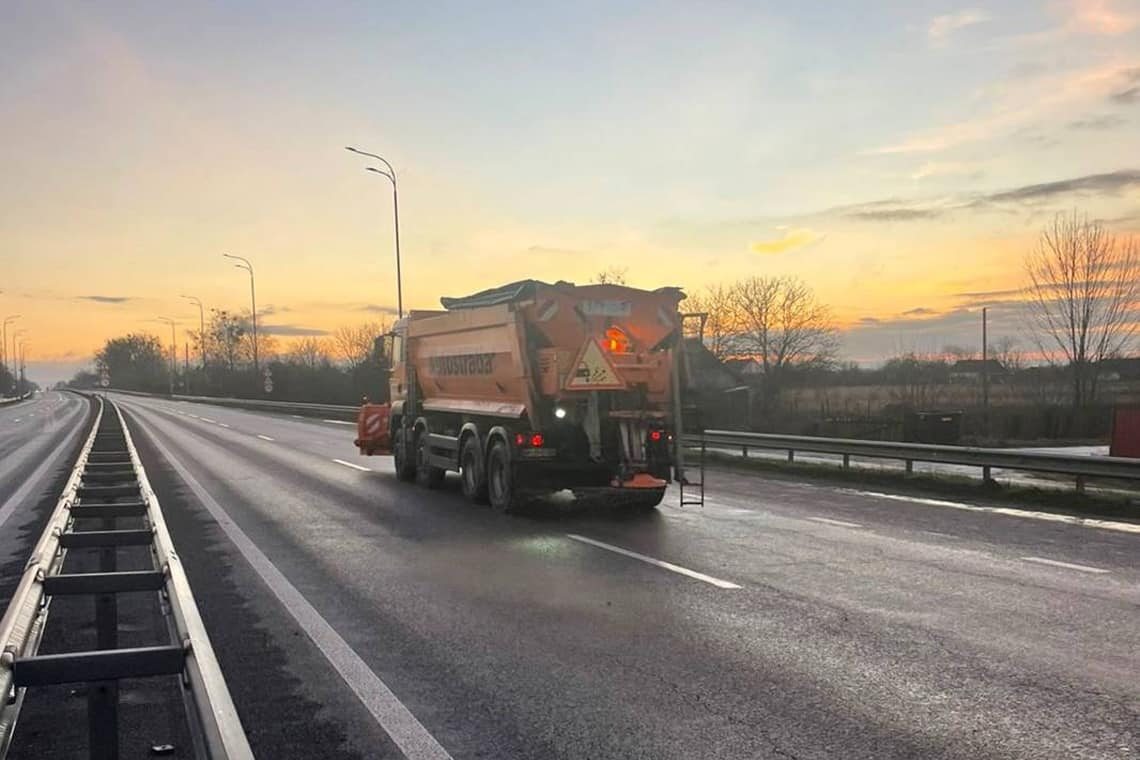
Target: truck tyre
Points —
{"points": [[472, 472], [405, 465], [646, 501], [426, 475], [500, 485]]}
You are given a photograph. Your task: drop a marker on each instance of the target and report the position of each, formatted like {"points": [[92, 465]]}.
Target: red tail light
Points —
{"points": [[530, 440], [655, 436]]}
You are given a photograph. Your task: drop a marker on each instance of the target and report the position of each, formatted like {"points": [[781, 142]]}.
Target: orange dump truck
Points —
{"points": [[533, 388]]}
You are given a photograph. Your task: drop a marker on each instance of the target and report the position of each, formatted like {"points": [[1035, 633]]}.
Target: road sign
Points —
{"points": [[593, 371], [268, 385]]}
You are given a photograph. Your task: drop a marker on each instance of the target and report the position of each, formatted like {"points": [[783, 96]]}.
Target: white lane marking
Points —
{"points": [[34, 481], [223, 424], [840, 523], [204, 419], [264, 437], [353, 466], [339, 422], [658, 563], [396, 720], [297, 416], [1066, 565], [16, 420], [1088, 522], [195, 416], [940, 534]]}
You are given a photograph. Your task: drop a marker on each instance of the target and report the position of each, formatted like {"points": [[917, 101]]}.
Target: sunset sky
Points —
{"points": [[900, 157]]}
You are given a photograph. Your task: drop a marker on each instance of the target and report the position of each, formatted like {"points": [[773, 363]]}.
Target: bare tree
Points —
{"points": [[722, 319], [354, 343], [954, 353], [310, 352], [783, 325], [613, 275], [1008, 352], [1084, 290]]}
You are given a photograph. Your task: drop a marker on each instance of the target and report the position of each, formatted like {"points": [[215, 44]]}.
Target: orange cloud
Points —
{"points": [[796, 238], [1102, 17]]}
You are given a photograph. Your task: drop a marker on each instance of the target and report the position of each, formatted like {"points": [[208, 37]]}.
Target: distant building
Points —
{"points": [[970, 371], [749, 371], [1120, 369]]}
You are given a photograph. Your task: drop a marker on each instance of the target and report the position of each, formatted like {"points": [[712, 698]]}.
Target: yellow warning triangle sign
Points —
{"points": [[593, 371]]}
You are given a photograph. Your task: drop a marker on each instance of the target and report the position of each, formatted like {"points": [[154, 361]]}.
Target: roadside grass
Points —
{"points": [[1097, 500]]}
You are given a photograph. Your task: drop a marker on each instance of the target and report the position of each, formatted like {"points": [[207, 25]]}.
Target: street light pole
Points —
{"points": [[4, 336], [17, 351], [201, 328], [173, 351], [391, 175], [244, 264]]}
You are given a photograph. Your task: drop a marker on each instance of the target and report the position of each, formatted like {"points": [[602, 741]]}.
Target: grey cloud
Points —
{"points": [[900, 210], [1110, 182], [990, 293], [870, 321], [921, 311], [1107, 121], [378, 309], [895, 214], [1126, 97], [290, 330], [107, 299]]}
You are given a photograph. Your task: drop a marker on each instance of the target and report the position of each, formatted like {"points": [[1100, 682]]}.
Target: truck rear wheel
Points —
{"points": [[427, 475], [500, 483], [405, 465], [471, 470], [647, 500]]}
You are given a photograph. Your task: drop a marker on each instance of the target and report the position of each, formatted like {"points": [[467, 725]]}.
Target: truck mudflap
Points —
{"points": [[373, 429]]}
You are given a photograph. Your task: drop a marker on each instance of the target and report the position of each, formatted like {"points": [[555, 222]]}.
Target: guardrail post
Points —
{"points": [[791, 455], [986, 474], [909, 467], [744, 451], [847, 461], [1081, 485]]}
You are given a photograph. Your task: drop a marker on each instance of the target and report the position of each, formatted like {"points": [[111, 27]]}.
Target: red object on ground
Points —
{"points": [[1125, 433]]}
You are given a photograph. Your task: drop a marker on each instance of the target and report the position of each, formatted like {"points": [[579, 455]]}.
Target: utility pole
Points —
{"points": [[985, 378]]}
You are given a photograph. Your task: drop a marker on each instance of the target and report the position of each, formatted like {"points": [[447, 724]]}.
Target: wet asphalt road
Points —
{"points": [[794, 620], [39, 440]]}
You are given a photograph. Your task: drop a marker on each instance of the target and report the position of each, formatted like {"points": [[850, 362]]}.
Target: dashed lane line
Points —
{"points": [[718, 582], [206, 419], [223, 424], [265, 437], [338, 422], [353, 466], [840, 523], [1087, 522], [390, 713], [1066, 565]]}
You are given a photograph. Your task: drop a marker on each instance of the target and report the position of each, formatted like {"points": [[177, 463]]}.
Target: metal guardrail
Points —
{"points": [[15, 399], [109, 482], [987, 459], [1080, 467], [287, 407]]}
